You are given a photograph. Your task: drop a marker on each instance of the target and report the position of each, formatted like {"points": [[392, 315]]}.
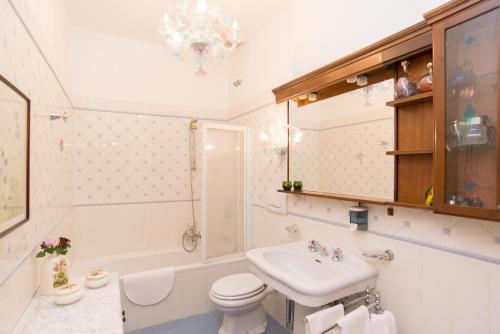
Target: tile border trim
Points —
{"points": [[135, 203]]}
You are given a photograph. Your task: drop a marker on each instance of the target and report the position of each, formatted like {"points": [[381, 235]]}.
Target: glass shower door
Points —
{"points": [[224, 191]]}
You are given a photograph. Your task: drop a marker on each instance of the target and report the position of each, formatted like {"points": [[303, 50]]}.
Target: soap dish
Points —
{"points": [[97, 279], [68, 294]]}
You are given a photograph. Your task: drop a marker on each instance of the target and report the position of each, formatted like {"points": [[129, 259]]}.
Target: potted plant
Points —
{"points": [[287, 185], [297, 185]]}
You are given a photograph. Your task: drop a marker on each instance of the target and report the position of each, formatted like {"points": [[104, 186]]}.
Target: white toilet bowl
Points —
{"points": [[240, 298]]}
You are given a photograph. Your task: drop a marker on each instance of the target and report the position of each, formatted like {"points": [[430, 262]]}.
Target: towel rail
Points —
{"points": [[376, 305]]}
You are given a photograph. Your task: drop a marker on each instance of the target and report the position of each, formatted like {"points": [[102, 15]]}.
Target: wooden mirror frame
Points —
{"points": [[376, 61], [27, 167]]}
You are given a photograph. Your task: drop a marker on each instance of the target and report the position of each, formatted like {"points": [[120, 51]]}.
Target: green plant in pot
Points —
{"points": [[297, 185], [287, 185]]}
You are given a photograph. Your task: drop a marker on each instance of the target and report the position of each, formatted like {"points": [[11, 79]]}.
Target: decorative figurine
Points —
{"points": [[425, 82], [404, 86]]}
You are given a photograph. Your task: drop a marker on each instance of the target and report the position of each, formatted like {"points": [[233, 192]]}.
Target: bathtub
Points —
{"points": [[189, 295]]}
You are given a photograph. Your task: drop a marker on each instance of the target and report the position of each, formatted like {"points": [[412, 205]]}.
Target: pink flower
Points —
{"points": [[50, 243]]}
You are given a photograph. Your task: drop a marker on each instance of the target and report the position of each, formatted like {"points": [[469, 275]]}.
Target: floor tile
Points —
{"points": [[206, 323]]}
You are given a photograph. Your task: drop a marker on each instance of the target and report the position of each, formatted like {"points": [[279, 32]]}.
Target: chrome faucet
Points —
{"points": [[314, 246], [337, 255]]}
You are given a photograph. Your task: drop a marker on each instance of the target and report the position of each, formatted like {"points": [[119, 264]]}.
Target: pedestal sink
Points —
{"points": [[309, 278]]}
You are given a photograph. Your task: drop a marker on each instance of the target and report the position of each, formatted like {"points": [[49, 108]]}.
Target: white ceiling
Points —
{"points": [[138, 19]]}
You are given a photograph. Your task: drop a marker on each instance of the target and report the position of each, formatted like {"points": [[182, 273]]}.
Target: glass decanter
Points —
{"points": [[425, 82], [404, 86]]}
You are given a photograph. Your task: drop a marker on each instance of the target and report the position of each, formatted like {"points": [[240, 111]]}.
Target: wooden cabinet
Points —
{"points": [[414, 139], [447, 138], [466, 105]]}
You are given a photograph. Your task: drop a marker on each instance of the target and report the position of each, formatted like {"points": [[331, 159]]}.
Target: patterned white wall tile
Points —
{"points": [[305, 160], [266, 170], [51, 174], [124, 158], [354, 163]]}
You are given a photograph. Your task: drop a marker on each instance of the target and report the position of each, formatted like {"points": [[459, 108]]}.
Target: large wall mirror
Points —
{"points": [[14, 157], [338, 145]]}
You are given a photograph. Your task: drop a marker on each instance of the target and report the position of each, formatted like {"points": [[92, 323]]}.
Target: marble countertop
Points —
{"points": [[99, 312]]}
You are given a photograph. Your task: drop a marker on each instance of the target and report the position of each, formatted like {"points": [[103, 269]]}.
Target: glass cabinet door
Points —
{"points": [[469, 115]]}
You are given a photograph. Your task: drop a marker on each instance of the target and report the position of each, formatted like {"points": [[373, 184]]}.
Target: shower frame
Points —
{"points": [[246, 192]]}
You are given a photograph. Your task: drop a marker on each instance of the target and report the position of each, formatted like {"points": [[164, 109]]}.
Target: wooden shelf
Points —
{"points": [[411, 100], [359, 199], [409, 152], [412, 206]]}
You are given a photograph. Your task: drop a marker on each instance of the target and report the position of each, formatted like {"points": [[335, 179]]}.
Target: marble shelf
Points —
{"points": [[99, 311]]}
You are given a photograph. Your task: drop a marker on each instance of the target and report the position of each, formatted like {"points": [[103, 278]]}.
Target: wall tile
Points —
{"points": [[126, 158], [51, 176]]}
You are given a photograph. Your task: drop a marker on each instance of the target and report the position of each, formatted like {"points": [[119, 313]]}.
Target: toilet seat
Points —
{"points": [[237, 287], [240, 298]]}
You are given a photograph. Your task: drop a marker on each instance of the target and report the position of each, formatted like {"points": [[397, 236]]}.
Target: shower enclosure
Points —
{"points": [[224, 194]]}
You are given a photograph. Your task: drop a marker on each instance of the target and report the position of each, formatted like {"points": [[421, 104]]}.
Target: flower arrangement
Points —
{"points": [[51, 246]]}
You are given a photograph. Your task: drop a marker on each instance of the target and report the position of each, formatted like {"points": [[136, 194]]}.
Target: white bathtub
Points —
{"points": [[189, 295], [129, 263]]}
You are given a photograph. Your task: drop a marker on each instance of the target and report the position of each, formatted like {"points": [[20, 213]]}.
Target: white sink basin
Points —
{"points": [[309, 278]]}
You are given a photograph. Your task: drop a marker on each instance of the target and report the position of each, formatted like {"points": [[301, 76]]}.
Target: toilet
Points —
{"points": [[240, 298]]}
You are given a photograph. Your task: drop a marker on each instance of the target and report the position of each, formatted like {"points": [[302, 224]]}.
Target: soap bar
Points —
{"points": [[97, 279], [68, 294]]}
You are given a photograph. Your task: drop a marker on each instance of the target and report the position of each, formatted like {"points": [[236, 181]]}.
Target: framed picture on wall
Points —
{"points": [[14, 156]]}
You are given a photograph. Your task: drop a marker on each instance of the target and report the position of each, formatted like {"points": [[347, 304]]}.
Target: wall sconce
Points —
{"points": [[275, 142]]}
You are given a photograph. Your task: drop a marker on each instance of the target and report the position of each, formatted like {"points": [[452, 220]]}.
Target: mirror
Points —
{"points": [[338, 145], [14, 157]]}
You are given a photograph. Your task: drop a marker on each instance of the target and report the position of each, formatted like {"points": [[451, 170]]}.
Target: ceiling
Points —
{"points": [[139, 19]]}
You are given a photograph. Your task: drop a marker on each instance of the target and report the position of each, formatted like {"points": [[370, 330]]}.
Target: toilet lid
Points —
{"points": [[237, 285]]}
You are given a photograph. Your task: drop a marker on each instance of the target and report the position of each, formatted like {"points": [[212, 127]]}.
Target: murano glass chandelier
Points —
{"points": [[191, 26]]}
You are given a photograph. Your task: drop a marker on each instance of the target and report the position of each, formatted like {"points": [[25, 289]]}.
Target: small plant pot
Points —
{"points": [[297, 185], [287, 185]]}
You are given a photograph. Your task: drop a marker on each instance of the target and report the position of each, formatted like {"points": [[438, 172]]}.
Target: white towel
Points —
{"points": [[356, 322], [379, 324], [391, 322], [276, 202], [320, 321], [149, 287]]}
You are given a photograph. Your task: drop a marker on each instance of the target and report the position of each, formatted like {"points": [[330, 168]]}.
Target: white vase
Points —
{"points": [[53, 274]]}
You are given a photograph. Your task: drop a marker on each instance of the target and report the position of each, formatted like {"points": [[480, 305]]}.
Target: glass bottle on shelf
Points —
{"points": [[404, 86], [425, 82]]}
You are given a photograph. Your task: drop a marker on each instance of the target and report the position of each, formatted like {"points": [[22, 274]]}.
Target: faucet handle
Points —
{"points": [[337, 254], [313, 245]]}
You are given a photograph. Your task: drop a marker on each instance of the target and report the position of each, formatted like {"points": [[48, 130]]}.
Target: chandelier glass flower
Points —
{"points": [[191, 26]]}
